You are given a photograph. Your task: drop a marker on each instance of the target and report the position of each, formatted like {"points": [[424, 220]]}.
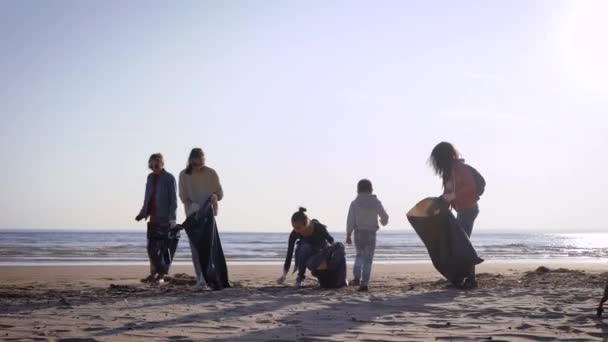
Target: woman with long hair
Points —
{"points": [[459, 190], [198, 184]]}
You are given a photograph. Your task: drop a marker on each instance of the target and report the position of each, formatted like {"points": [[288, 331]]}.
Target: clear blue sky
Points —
{"points": [[294, 102]]}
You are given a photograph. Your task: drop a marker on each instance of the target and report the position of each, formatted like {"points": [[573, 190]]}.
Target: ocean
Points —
{"points": [[128, 248]]}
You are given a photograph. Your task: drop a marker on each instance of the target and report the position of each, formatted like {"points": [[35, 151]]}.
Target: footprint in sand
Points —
{"points": [[527, 337], [523, 326], [440, 325], [227, 327], [179, 339], [93, 329], [548, 315]]}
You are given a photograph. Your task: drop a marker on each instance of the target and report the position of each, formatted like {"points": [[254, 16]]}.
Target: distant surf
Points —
{"points": [[128, 248]]}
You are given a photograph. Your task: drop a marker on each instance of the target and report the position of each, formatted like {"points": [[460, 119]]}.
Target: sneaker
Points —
{"points": [[156, 282], [148, 279], [299, 282], [458, 284], [201, 284], [200, 287], [363, 288], [355, 282], [470, 284]]}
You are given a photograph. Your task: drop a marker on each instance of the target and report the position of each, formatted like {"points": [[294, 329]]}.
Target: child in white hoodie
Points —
{"points": [[362, 218]]}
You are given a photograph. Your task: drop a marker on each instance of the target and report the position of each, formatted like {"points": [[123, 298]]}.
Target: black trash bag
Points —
{"points": [[334, 259], [202, 232], [161, 246], [448, 245]]}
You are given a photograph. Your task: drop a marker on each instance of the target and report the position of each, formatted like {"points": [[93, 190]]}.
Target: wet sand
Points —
{"points": [[515, 301]]}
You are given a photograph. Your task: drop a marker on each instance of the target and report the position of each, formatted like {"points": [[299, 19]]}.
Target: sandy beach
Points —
{"points": [[515, 301]]}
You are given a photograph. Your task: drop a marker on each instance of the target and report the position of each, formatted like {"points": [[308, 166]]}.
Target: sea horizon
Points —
{"points": [[61, 247], [287, 230]]}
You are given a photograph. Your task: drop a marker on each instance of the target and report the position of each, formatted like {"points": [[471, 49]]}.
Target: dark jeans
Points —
{"points": [[466, 219], [304, 251]]}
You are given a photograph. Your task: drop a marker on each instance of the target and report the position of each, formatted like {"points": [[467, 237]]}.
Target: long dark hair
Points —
{"points": [[442, 158], [194, 153], [299, 216]]}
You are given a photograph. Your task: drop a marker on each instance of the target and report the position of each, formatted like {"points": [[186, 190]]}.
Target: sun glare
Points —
{"points": [[583, 43]]}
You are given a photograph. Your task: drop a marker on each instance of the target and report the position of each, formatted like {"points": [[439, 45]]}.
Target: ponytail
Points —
{"points": [[299, 216]]}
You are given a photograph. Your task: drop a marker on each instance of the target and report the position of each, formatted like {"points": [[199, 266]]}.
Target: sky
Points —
{"points": [[295, 101]]}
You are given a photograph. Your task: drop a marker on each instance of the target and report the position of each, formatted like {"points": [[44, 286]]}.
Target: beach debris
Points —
{"points": [[523, 326], [63, 301], [542, 269], [120, 289], [181, 279], [600, 308], [237, 285]]}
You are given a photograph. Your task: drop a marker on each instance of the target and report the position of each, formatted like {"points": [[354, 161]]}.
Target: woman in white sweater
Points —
{"points": [[197, 184]]}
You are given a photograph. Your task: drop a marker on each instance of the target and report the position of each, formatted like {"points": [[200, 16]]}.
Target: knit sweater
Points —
{"points": [[198, 186], [364, 212]]}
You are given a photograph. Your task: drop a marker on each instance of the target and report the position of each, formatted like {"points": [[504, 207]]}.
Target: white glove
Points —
{"points": [[172, 224], [194, 207], [281, 280], [449, 197], [214, 197]]}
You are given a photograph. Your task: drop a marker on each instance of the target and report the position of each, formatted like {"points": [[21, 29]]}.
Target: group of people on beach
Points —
{"points": [[311, 243], [198, 184]]}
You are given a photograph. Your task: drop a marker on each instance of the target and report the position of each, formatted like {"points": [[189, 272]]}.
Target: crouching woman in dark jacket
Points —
{"points": [[160, 205], [317, 251]]}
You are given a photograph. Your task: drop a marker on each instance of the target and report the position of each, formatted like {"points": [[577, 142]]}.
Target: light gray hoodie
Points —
{"points": [[364, 212]]}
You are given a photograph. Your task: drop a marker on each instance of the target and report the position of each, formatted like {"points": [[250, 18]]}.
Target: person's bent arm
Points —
{"points": [[172, 201], [383, 215], [142, 212], [449, 189], [290, 246], [183, 193], [328, 236], [219, 192], [350, 222]]}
